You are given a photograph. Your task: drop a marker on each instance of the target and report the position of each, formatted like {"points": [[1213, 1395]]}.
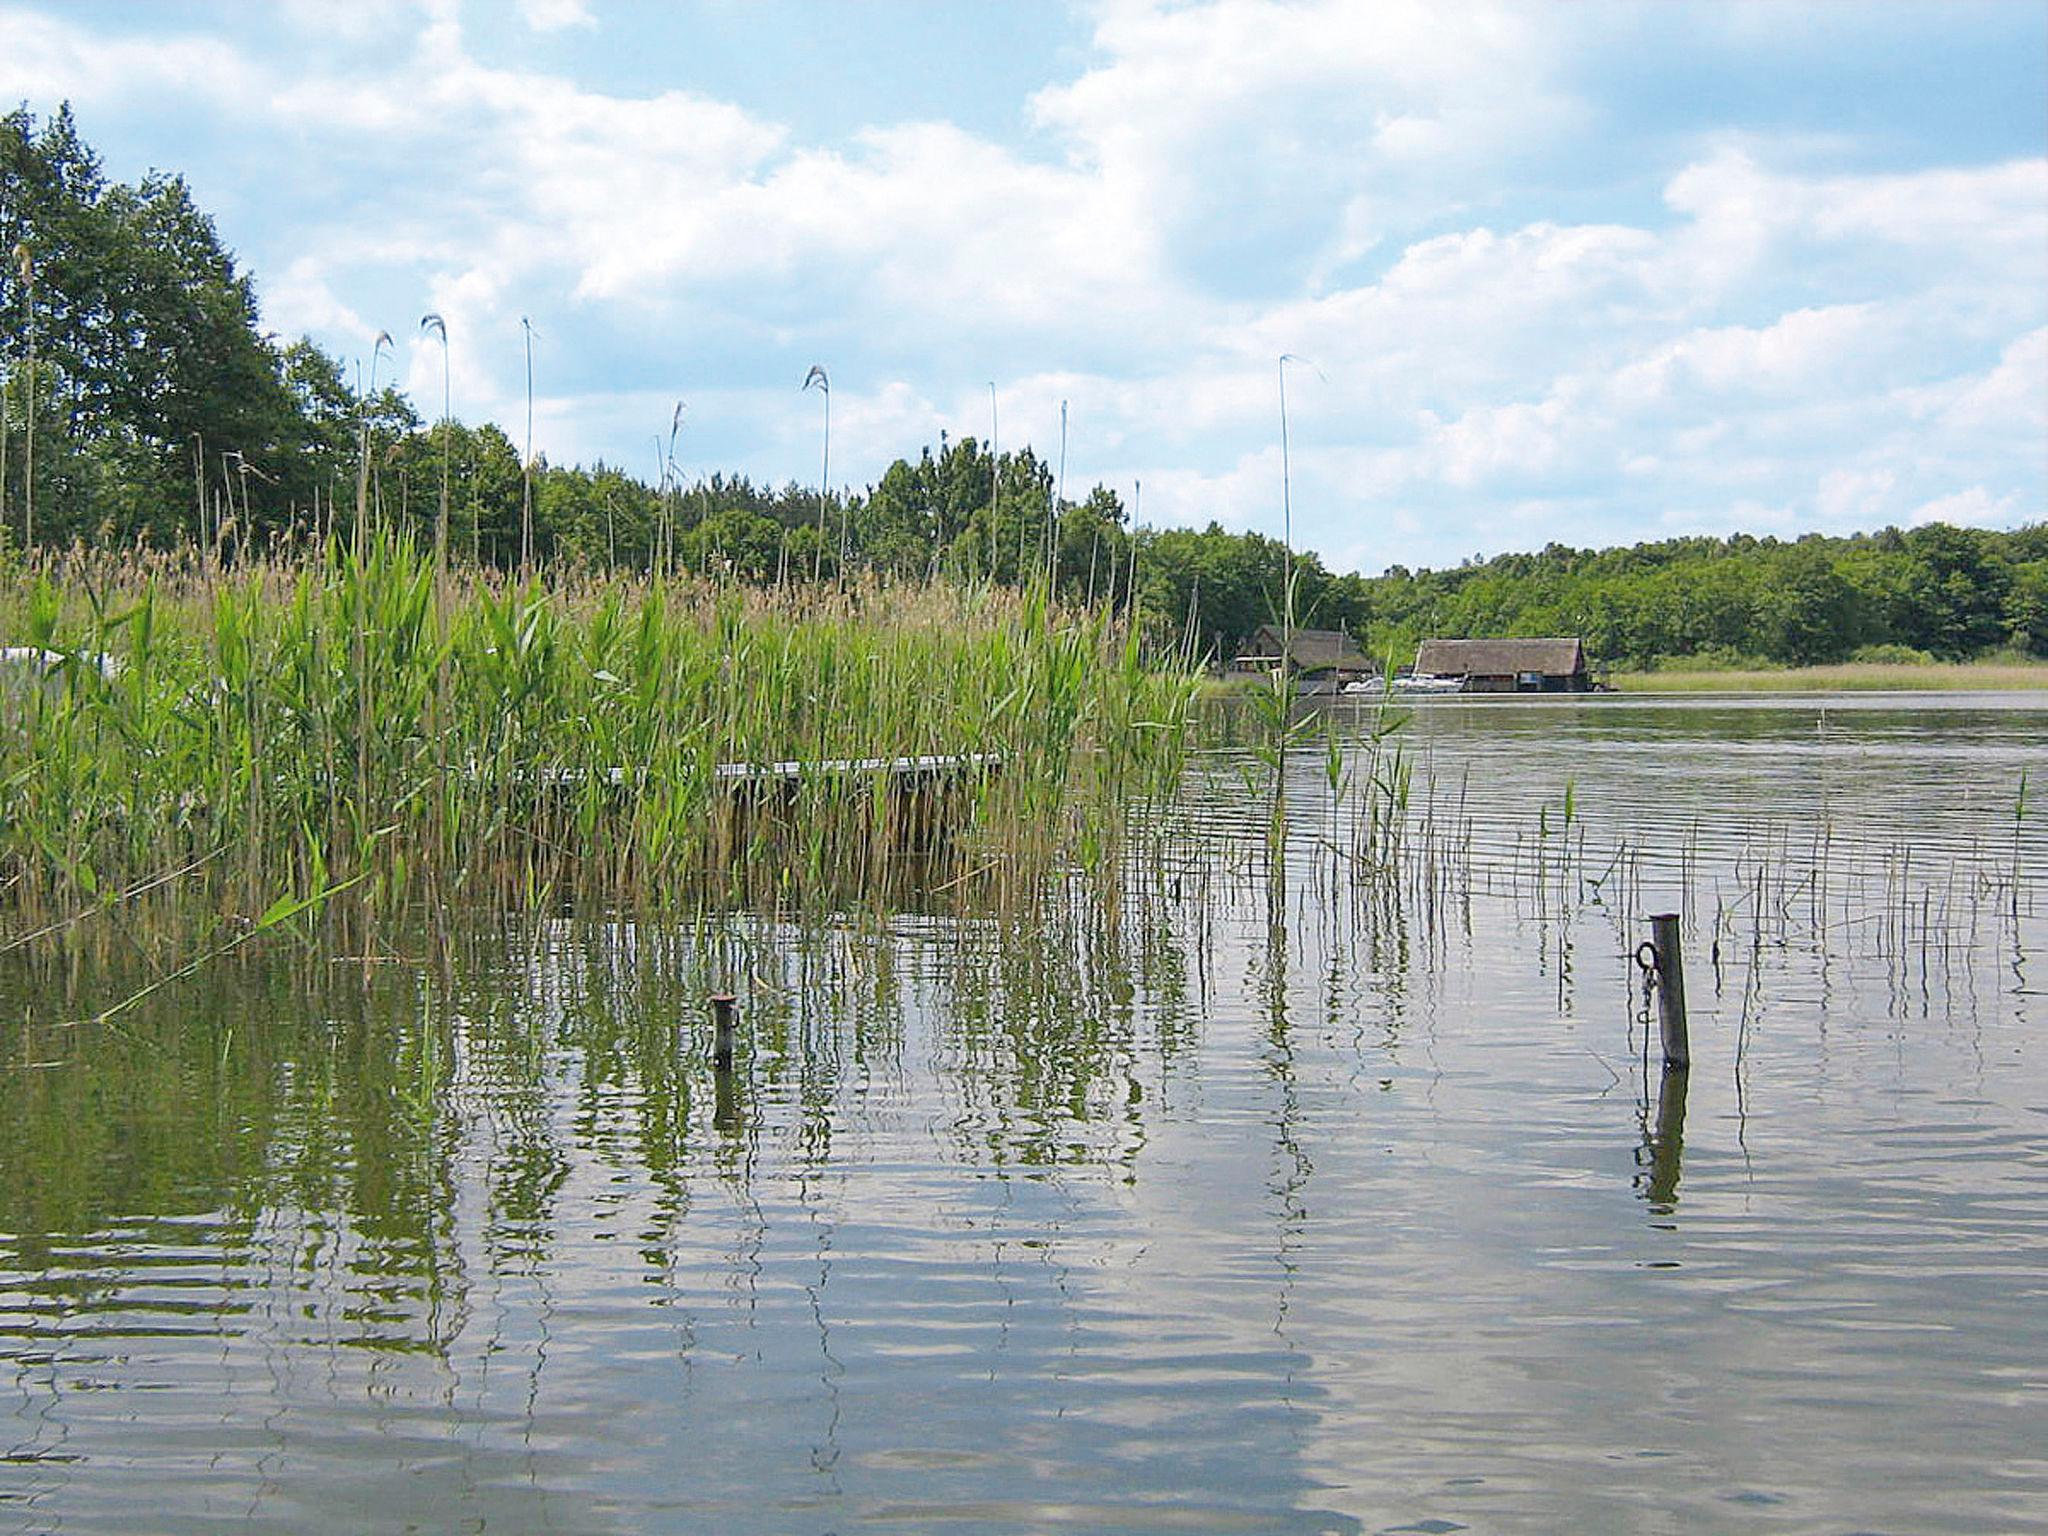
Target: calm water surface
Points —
{"points": [[1334, 1197]]}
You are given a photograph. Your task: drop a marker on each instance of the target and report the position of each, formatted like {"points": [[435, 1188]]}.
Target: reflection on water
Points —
{"points": [[1663, 1157], [1333, 1191]]}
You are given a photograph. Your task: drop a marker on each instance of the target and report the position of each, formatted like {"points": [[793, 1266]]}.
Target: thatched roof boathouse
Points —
{"points": [[1554, 665], [1329, 657]]}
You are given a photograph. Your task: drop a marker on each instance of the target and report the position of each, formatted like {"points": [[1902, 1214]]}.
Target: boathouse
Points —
{"points": [[1328, 656], [1553, 665]]}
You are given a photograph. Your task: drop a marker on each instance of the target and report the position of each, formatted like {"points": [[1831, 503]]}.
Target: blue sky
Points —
{"points": [[1589, 272]]}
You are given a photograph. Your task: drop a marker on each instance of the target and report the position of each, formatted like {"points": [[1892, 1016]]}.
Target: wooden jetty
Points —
{"points": [[906, 774], [924, 798], [902, 772]]}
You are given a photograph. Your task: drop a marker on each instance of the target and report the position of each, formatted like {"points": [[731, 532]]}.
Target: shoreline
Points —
{"points": [[1846, 677], [1840, 677]]}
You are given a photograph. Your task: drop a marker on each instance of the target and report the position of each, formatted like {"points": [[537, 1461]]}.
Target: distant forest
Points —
{"points": [[142, 403], [1933, 592]]}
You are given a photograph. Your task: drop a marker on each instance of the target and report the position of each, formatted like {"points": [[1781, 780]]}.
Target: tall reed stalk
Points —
{"points": [[526, 465], [435, 326], [24, 262], [818, 379]]}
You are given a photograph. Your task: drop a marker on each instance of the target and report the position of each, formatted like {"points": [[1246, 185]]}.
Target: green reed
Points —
{"points": [[355, 723]]}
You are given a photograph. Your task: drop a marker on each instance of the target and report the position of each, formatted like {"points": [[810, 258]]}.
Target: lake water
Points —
{"points": [[1343, 1197]]}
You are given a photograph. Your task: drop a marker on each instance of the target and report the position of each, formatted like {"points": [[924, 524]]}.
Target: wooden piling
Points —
{"points": [[1670, 990], [722, 1006]]}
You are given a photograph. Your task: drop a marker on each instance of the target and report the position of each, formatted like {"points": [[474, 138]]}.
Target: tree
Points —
{"points": [[147, 336], [2026, 607], [1956, 591]]}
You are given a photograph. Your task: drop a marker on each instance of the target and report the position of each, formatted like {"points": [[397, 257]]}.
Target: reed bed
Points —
{"points": [[265, 739], [1402, 862], [1853, 676]]}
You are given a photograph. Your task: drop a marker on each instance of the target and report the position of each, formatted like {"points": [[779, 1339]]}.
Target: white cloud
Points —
{"points": [[354, 22], [302, 301], [1969, 218], [2011, 397], [1855, 498], [1965, 213], [1796, 352], [1312, 96], [46, 61], [1975, 507], [556, 15]]}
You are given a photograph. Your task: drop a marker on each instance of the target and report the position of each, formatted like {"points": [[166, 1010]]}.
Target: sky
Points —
{"points": [[1589, 273]]}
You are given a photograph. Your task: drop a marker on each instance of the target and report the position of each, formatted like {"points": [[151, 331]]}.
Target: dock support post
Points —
{"points": [[1670, 990], [722, 1005]]}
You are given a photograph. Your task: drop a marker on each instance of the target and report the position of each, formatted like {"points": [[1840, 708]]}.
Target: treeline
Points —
{"points": [[141, 403], [1949, 593], [1936, 591]]}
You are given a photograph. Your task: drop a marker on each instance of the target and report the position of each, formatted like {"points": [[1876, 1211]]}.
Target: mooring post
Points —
{"points": [[722, 1004], [1670, 989]]}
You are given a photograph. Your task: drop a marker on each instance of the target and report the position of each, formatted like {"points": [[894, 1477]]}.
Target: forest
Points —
{"points": [[143, 404], [1935, 592]]}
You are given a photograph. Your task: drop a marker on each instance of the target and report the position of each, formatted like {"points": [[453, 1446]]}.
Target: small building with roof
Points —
{"points": [[1553, 665], [1328, 657]]}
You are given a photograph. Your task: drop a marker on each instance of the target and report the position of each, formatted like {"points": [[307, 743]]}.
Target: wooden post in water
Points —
{"points": [[722, 1005], [1670, 990]]}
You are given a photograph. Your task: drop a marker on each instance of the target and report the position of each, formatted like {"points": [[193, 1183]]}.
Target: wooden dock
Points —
{"points": [[924, 799], [903, 773]]}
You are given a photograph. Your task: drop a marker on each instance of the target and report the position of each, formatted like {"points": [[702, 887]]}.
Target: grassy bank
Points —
{"points": [[270, 733], [1847, 676]]}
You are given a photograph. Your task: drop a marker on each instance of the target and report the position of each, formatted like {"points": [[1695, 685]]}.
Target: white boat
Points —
{"points": [[1423, 687], [31, 663]]}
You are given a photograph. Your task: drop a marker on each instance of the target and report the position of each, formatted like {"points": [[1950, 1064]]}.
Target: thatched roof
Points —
{"points": [[1554, 657], [1315, 650]]}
